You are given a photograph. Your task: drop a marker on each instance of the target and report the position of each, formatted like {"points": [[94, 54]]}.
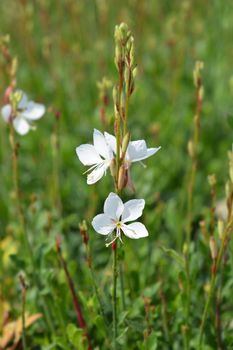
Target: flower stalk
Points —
{"points": [[85, 238], [77, 307], [24, 287], [216, 262], [193, 154]]}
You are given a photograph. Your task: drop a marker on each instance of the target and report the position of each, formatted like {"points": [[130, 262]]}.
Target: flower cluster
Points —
{"points": [[100, 156], [21, 112]]}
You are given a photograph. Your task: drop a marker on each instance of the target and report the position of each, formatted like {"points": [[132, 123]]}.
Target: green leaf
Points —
{"points": [[75, 336], [174, 255], [151, 342]]}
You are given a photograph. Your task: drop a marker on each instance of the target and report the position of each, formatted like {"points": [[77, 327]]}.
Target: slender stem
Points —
{"points": [[22, 219], [56, 166], [75, 300], [215, 268], [194, 158], [114, 294], [23, 319], [121, 273], [205, 312]]}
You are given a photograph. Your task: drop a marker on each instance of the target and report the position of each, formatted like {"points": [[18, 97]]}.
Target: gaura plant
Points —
{"points": [[21, 112], [118, 153]]}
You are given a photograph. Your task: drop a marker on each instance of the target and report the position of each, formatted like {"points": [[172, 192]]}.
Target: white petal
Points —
{"points": [[88, 155], [24, 100], [101, 145], [113, 206], [33, 111], [103, 224], [135, 230], [132, 210], [6, 112], [21, 125], [97, 173], [151, 151], [111, 140], [136, 150]]}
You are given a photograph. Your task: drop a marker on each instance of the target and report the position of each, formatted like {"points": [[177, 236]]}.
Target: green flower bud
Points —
{"points": [[213, 248], [212, 180], [220, 229]]}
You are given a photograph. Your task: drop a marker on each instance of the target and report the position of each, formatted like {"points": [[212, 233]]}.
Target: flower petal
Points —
{"points": [[113, 206], [23, 101], [111, 140], [135, 230], [21, 125], [151, 151], [97, 173], [103, 224], [132, 210], [101, 145], [6, 112], [33, 111], [88, 155], [136, 150]]}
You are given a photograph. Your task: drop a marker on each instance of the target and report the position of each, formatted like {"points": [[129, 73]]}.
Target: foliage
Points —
{"points": [[64, 49]]}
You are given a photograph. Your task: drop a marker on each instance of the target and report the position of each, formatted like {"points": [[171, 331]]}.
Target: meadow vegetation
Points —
{"points": [[60, 286]]}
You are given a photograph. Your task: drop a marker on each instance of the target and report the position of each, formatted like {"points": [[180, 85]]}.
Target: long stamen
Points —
{"points": [[108, 244], [92, 167]]}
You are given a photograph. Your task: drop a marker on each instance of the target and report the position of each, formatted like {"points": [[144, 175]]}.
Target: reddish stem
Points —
{"points": [[77, 307]]}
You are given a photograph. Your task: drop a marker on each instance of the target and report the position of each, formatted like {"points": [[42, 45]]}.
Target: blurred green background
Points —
{"points": [[64, 48]]}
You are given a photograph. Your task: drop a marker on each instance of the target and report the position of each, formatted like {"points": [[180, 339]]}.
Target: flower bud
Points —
{"points": [[115, 94], [201, 93], [124, 31], [220, 229], [197, 73], [185, 249], [125, 144], [213, 248], [228, 188], [212, 180], [14, 66], [191, 150], [135, 72], [121, 178], [132, 51], [113, 167]]}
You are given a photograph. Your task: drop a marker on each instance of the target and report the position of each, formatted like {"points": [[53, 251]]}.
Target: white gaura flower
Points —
{"points": [[116, 215], [99, 156], [24, 115], [136, 151]]}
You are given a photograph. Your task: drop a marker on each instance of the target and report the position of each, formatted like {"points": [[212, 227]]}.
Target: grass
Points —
{"points": [[63, 50]]}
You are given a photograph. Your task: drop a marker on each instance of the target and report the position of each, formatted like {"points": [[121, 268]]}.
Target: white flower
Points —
{"points": [[116, 215], [99, 156], [136, 151], [26, 112]]}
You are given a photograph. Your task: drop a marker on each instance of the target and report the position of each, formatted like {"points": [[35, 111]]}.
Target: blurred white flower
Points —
{"points": [[116, 215], [26, 112], [99, 156], [136, 151]]}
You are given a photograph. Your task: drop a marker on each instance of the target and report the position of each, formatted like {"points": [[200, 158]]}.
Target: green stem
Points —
{"points": [[205, 312], [22, 220], [98, 295], [213, 279], [23, 319], [114, 294], [122, 285]]}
